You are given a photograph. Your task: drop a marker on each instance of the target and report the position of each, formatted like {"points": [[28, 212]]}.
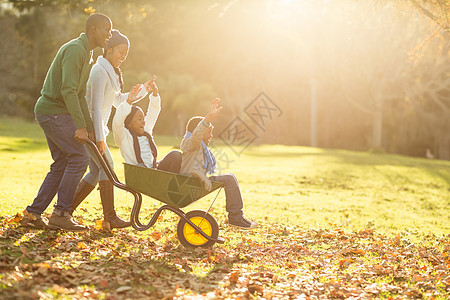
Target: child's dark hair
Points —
{"points": [[134, 110], [193, 122]]}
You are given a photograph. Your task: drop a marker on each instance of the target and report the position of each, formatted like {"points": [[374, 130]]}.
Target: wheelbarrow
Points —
{"points": [[196, 228]]}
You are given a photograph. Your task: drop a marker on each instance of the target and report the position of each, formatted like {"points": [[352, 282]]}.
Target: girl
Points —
{"points": [[133, 134]]}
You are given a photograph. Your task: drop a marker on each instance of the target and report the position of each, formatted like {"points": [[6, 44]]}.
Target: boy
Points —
{"points": [[198, 161]]}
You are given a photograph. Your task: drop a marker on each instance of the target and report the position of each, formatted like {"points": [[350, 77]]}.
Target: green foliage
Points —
{"points": [[359, 52]]}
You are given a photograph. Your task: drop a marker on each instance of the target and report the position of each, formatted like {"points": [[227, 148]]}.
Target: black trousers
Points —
{"points": [[171, 162]]}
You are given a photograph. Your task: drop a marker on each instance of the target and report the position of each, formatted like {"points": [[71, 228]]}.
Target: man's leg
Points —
{"points": [[50, 185], [47, 191], [60, 130], [77, 160]]}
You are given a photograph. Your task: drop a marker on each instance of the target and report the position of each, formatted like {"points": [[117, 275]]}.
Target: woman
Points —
{"points": [[104, 89]]}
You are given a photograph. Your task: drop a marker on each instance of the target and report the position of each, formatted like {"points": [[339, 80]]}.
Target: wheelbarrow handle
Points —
{"points": [[110, 172], [106, 167]]}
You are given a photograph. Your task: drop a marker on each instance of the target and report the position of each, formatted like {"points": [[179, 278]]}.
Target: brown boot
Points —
{"points": [[107, 197], [82, 191]]}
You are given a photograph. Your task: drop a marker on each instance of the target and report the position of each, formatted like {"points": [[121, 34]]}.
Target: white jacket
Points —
{"points": [[123, 137], [102, 92]]}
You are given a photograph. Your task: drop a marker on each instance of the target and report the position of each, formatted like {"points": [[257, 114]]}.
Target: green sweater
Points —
{"points": [[65, 84]]}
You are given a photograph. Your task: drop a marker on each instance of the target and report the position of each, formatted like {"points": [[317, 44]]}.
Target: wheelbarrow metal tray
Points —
{"points": [[173, 189]]}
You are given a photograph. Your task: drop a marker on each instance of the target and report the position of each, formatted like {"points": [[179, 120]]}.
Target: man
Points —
{"points": [[63, 115]]}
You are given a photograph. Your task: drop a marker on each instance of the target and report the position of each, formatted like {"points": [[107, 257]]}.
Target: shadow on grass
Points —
{"points": [[17, 144], [438, 168], [117, 265], [20, 145]]}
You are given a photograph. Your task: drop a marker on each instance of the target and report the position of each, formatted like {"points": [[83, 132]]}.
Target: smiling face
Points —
{"points": [[137, 123], [102, 33], [117, 55]]}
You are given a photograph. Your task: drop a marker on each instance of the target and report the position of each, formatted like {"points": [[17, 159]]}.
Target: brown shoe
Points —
{"points": [[64, 221], [33, 220]]}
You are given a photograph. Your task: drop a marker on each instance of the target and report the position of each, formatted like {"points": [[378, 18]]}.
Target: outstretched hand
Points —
{"points": [[214, 110], [133, 95], [151, 86]]}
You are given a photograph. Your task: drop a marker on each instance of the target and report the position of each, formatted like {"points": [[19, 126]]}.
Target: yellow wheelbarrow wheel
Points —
{"points": [[190, 237]]}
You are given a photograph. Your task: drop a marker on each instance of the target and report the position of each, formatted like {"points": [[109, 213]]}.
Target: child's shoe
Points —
{"points": [[242, 223]]}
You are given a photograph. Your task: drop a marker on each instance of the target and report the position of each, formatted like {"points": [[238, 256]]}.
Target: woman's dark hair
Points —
{"points": [[118, 72], [193, 122]]}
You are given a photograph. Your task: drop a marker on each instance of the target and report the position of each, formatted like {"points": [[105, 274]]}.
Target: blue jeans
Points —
{"points": [[96, 172], [70, 160], [233, 197]]}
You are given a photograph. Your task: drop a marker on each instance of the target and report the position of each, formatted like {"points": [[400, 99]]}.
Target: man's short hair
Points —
{"points": [[95, 19]]}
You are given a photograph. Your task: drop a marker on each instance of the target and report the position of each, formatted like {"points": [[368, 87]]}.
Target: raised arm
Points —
{"points": [[120, 97], [154, 107], [214, 111], [193, 142], [121, 113]]}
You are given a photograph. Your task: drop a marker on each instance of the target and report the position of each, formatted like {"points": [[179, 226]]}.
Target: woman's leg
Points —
{"points": [[88, 183], [109, 160], [107, 195]]}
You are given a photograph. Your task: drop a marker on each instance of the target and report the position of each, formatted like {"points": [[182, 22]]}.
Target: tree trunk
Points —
{"points": [[313, 134], [443, 146], [377, 129], [36, 48]]}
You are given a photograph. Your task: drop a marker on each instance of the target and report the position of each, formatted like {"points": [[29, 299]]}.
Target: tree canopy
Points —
{"points": [[381, 68]]}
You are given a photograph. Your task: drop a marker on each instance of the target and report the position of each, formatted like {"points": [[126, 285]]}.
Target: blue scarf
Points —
{"points": [[210, 160]]}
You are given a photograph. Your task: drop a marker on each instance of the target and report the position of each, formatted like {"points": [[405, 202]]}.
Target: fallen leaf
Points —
{"points": [[123, 289], [156, 235], [82, 245], [234, 276], [358, 251], [98, 224]]}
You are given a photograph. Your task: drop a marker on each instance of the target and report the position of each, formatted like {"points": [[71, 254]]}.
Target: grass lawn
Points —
{"points": [[331, 213]]}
